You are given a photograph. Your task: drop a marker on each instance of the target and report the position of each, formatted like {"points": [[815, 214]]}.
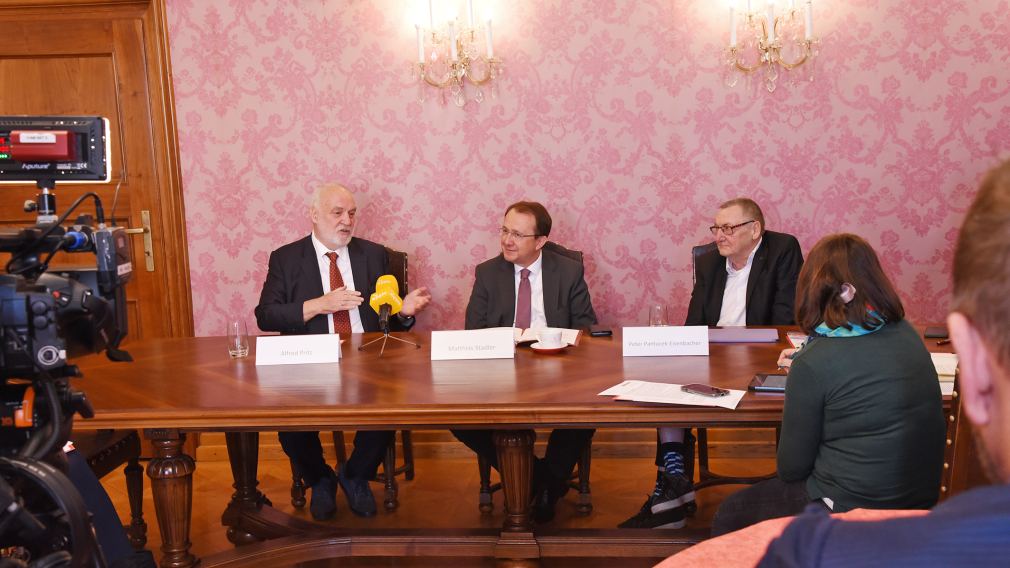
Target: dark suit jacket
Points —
{"points": [[771, 286], [566, 297], [294, 277]]}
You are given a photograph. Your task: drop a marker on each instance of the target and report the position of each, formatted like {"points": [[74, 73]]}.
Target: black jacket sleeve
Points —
{"points": [[275, 311], [787, 271], [476, 308], [580, 304]]}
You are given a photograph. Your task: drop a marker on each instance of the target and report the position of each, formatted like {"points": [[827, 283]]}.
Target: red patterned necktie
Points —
{"points": [[341, 319], [524, 301]]}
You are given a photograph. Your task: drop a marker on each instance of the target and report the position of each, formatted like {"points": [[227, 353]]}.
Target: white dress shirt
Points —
{"points": [[538, 318], [344, 266], [734, 297]]}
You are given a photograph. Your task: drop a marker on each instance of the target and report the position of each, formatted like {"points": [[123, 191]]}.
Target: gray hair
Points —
{"points": [[317, 196]]}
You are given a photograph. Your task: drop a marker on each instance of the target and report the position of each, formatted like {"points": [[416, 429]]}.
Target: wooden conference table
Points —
{"points": [[191, 385]]}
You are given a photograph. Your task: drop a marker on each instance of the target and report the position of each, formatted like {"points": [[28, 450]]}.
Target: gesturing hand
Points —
{"points": [[339, 299], [335, 300], [415, 301]]}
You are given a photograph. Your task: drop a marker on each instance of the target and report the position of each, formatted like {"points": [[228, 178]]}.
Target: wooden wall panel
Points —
{"points": [[108, 58]]}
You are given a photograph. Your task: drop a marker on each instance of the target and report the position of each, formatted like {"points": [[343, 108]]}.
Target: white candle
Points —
{"points": [[488, 38], [792, 4], [749, 10], [452, 39], [771, 22], [732, 26], [420, 44], [469, 12], [431, 16], [809, 28]]}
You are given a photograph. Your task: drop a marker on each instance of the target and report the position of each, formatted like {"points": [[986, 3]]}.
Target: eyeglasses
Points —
{"points": [[507, 233], [727, 229]]}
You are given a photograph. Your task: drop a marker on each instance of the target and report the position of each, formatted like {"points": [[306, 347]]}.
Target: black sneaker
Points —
{"points": [[678, 491], [645, 519]]}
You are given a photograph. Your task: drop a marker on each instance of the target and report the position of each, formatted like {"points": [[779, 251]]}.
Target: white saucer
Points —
{"points": [[540, 349]]}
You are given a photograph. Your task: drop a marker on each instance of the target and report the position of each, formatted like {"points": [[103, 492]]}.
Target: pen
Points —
{"points": [[943, 341]]}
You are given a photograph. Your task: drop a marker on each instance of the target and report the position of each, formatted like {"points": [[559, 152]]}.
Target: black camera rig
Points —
{"points": [[48, 316]]}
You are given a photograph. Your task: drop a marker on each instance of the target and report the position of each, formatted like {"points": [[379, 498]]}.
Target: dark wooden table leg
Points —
{"points": [[171, 473], [515, 460], [243, 453], [137, 531]]}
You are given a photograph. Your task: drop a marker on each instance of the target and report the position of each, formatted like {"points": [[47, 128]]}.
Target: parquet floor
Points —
{"points": [[442, 495]]}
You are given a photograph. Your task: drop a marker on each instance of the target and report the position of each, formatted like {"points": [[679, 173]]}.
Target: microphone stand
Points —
{"points": [[384, 325]]}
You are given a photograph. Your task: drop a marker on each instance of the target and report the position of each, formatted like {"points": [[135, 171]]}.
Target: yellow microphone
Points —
{"points": [[386, 299]]}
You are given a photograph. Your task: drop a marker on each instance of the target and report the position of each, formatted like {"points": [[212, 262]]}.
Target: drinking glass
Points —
{"points": [[238, 338], [657, 315]]}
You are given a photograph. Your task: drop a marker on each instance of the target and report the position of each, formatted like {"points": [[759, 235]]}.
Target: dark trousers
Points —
{"points": [[769, 499], [306, 454], [564, 448], [108, 530]]}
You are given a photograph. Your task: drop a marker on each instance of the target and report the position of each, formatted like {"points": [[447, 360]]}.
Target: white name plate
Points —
{"points": [[297, 349], [664, 341], [496, 343]]}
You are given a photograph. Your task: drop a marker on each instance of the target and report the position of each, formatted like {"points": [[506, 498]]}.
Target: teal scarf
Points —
{"points": [[823, 330]]}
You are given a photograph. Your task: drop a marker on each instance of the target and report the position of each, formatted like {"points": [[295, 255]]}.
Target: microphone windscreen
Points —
{"points": [[387, 291], [387, 282]]}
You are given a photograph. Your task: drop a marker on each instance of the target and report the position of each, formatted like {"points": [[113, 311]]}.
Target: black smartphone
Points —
{"points": [[935, 332], [600, 331], [768, 382], [704, 390]]}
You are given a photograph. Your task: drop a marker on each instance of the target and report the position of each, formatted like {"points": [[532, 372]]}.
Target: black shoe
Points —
{"points": [[358, 493], [324, 497], [646, 519], [678, 491]]}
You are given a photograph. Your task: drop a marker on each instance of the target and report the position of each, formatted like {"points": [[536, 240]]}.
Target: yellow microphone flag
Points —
{"points": [[387, 291]]}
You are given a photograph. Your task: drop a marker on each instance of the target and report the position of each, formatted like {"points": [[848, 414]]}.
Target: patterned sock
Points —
{"points": [[673, 462], [673, 457]]}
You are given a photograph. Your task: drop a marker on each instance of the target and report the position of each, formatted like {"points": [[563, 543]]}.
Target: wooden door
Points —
{"points": [[108, 58]]}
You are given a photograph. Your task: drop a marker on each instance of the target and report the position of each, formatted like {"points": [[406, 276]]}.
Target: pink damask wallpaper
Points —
{"points": [[614, 114]]}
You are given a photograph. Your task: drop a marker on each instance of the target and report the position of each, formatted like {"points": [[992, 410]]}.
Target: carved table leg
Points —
{"points": [[243, 453], [515, 460], [171, 474], [137, 532]]}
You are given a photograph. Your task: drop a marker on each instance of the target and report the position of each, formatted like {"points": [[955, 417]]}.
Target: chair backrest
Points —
{"points": [[558, 249], [396, 264], [697, 252]]}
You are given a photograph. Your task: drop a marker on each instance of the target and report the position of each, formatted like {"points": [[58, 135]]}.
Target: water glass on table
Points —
{"points": [[657, 315], [238, 338]]}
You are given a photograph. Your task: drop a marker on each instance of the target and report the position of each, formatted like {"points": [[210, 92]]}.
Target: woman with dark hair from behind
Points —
{"points": [[863, 421]]}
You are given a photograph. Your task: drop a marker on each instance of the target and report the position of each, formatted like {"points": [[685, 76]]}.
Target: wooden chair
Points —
{"points": [[580, 479], [105, 450], [962, 461], [396, 264]]}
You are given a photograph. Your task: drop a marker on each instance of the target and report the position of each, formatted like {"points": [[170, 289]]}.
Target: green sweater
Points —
{"points": [[863, 421]]}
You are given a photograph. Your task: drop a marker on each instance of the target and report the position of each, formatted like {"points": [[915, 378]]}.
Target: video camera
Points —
{"points": [[46, 317]]}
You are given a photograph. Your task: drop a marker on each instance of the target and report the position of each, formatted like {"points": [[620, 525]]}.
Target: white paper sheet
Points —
{"points": [[946, 365], [667, 393]]}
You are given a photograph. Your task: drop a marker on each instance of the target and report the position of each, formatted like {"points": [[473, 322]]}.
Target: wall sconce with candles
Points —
{"points": [[770, 40], [452, 54]]}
